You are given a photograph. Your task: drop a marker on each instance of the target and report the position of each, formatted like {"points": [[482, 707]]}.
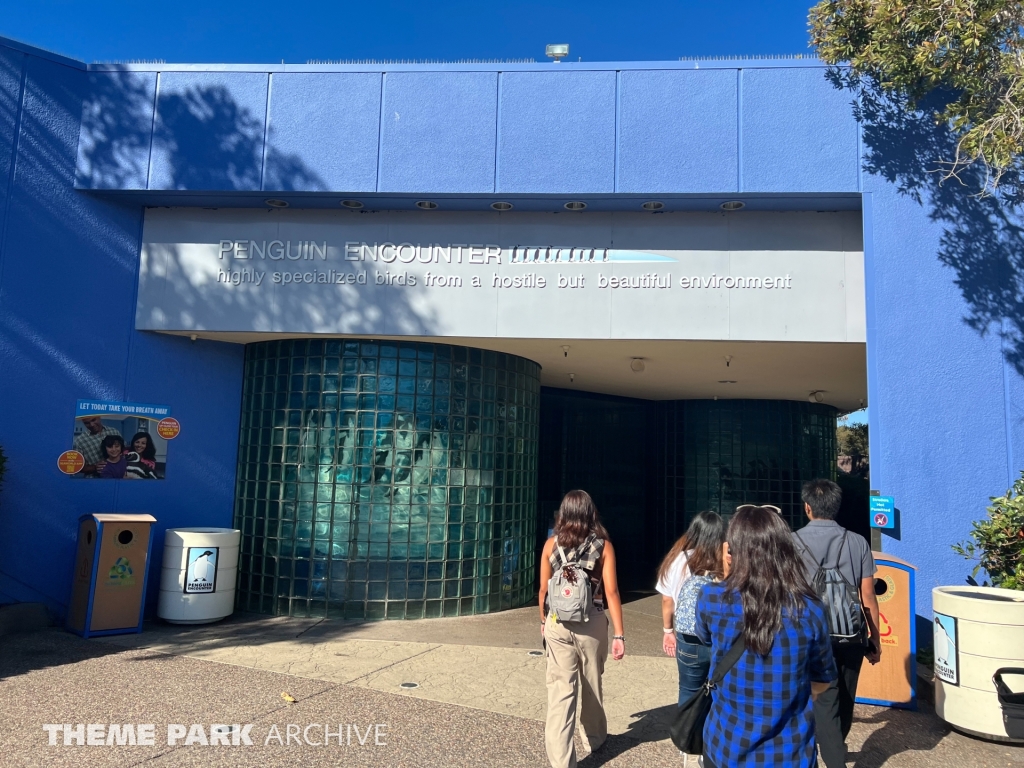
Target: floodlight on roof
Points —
{"points": [[557, 51]]}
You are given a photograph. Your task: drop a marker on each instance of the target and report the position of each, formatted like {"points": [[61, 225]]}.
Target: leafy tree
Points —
{"points": [[970, 51], [852, 440], [997, 543]]}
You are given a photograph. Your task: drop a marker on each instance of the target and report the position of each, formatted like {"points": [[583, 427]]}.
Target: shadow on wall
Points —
{"points": [[201, 139], [982, 235]]}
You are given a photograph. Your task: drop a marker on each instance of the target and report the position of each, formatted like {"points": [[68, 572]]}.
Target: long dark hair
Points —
{"points": [[704, 537], [108, 442], [577, 519], [767, 573], [150, 451]]}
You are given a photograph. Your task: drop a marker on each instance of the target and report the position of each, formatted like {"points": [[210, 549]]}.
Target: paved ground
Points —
{"points": [[480, 700]]}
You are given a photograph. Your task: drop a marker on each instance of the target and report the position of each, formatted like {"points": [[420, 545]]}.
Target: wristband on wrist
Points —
{"points": [[668, 630], [619, 637]]}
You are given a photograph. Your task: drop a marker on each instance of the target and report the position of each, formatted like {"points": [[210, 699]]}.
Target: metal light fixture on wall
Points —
{"points": [[732, 205], [575, 205], [352, 204], [426, 205], [816, 396], [653, 205], [636, 365], [502, 206]]}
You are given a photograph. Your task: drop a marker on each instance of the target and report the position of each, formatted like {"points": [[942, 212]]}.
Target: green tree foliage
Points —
{"points": [[972, 50], [852, 440], [997, 543]]}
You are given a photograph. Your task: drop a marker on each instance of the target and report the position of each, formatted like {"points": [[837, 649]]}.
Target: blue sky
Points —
{"points": [[259, 31]]}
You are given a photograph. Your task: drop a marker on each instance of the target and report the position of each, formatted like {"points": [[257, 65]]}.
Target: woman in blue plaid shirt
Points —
{"points": [[762, 713]]}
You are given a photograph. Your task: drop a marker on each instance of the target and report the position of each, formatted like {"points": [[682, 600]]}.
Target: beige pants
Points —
{"points": [[576, 655]]}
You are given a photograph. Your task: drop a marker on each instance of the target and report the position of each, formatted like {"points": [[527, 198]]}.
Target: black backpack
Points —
{"points": [[843, 609]]}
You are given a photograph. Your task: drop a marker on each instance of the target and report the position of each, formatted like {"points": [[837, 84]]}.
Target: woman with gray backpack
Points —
{"points": [[577, 586]]}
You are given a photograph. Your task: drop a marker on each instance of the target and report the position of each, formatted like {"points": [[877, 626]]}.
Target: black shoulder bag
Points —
{"points": [[687, 729]]}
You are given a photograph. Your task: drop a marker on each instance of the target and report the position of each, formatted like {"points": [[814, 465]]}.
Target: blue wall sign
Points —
{"points": [[883, 512]]}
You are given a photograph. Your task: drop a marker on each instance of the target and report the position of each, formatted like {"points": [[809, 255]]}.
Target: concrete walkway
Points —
{"points": [[478, 697]]}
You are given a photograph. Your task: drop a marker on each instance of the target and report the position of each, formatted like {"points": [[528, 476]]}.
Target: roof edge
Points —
{"points": [[41, 53], [369, 66]]}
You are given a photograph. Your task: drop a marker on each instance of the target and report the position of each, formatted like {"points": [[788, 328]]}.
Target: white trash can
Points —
{"points": [[200, 568]]}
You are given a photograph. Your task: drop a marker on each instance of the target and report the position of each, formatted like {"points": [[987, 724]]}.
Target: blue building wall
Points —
{"points": [[92, 146], [68, 275]]}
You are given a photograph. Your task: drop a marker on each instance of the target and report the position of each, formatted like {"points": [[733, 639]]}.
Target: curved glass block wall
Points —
{"points": [[382, 479]]}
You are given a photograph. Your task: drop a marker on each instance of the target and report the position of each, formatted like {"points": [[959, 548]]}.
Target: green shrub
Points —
{"points": [[997, 543]]}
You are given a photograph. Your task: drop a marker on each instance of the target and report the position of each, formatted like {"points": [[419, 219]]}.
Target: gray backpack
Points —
{"points": [[569, 592]]}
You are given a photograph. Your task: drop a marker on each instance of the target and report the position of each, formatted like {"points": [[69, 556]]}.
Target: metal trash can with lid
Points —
{"points": [[197, 580], [108, 590]]}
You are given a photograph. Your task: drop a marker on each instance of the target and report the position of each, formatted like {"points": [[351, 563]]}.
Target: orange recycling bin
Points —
{"points": [[891, 682], [109, 588]]}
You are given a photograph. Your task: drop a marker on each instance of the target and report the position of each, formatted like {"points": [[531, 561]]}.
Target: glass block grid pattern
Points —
{"points": [[382, 479], [720, 454]]}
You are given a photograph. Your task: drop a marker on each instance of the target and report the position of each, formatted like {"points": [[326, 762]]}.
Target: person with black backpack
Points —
{"points": [[841, 570]]}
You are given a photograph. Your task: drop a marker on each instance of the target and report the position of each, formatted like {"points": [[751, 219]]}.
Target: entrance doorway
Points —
{"points": [[651, 466]]}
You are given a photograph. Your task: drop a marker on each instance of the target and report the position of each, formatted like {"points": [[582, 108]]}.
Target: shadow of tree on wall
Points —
{"points": [[982, 234], [200, 139]]}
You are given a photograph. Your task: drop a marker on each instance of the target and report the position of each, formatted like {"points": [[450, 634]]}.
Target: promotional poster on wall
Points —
{"points": [[119, 441]]}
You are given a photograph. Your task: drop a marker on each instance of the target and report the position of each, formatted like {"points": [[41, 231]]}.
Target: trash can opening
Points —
{"points": [[881, 586], [125, 537]]}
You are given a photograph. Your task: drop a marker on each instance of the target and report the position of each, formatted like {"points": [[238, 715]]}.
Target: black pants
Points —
{"points": [[833, 710]]}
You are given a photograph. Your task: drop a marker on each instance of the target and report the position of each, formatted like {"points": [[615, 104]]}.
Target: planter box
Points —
{"points": [[977, 631]]}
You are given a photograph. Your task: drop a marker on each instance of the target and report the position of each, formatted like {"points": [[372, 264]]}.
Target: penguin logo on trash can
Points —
{"points": [[201, 573]]}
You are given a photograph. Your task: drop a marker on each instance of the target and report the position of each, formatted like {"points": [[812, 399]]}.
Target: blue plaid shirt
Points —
{"points": [[762, 713]]}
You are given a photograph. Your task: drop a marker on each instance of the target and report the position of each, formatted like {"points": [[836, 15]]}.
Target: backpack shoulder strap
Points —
{"points": [[842, 543], [805, 548], [728, 661], [561, 553]]}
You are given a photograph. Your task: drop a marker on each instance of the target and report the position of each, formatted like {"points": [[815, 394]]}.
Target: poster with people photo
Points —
{"points": [[119, 441]]}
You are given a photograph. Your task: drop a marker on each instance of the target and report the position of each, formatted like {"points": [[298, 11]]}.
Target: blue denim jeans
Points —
{"points": [[694, 662]]}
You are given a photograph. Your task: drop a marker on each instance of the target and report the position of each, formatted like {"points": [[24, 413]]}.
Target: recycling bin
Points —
{"points": [[197, 580], [108, 590], [892, 681]]}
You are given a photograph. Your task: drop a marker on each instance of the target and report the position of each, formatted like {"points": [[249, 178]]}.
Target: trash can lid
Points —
{"points": [[203, 530], [110, 517]]}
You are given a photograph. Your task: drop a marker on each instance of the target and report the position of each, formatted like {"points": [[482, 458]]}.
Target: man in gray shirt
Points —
{"points": [[821, 544]]}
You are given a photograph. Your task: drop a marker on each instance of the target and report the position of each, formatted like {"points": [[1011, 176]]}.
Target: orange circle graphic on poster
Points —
{"points": [[168, 428], [71, 462]]}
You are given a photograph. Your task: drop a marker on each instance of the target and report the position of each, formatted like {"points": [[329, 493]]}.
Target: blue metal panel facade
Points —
{"points": [[947, 420], [678, 131], [323, 131], [209, 131], [557, 132], [438, 132], [797, 132]]}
